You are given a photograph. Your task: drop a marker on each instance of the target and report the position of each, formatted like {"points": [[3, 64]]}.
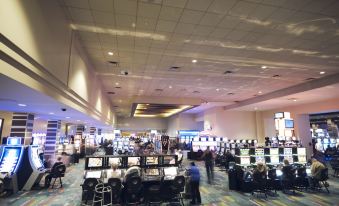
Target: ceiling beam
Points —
{"points": [[310, 85]]}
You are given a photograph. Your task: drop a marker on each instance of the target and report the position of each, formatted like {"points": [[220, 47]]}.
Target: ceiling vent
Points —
{"points": [[236, 101], [159, 90], [276, 76], [110, 92], [230, 93], [113, 63], [174, 69], [310, 79], [228, 72], [196, 92], [117, 87]]}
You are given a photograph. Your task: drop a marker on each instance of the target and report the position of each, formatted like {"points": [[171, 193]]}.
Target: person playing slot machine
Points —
{"points": [[49, 176], [316, 169], [114, 172]]}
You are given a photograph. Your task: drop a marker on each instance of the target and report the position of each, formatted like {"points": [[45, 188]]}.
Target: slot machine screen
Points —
{"points": [[169, 160], [195, 148], [170, 171], [302, 159], [287, 151], [133, 161], [301, 151], [93, 174], [115, 161], [289, 123], [245, 160], [274, 151], [203, 139], [289, 158], [308, 171], [152, 172], [152, 160], [35, 157], [126, 143], [244, 152], [203, 148], [259, 152], [279, 173], [326, 141], [260, 159], [274, 159], [10, 159], [94, 162]]}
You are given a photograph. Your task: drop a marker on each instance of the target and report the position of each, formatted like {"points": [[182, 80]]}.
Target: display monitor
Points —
{"points": [[259, 152], [289, 123], [289, 158], [1, 125], [93, 174], [279, 115], [308, 171], [302, 159], [14, 141], [9, 160], [326, 141], [95, 162], [278, 172], [301, 151], [170, 171], [245, 160], [152, 160], [287, 151], [126, 143], [152, 172], [244, 152], [274, 159], [133, 161], [203, 139], [274, 151], [35, 157], [169, 160], [260, 159], [115, 161]]}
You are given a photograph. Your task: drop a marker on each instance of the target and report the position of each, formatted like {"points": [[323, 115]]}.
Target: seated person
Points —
{"points": [[316, 169], [114, 172], [287, 170], [134, 171], [49, 176], [260, 173]]}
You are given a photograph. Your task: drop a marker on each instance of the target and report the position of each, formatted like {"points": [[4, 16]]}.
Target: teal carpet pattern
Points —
{"points": [[212, 195]]}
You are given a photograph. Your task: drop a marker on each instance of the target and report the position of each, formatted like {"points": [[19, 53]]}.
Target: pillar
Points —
{"points": [[302, 130], [52, 138], [22, 126], [259, 127]]}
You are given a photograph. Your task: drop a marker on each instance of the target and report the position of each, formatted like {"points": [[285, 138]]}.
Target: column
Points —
{"points": [[302, 129], [79, 142], [92, 131], [259, 127], [52, 138], [22, 126]]}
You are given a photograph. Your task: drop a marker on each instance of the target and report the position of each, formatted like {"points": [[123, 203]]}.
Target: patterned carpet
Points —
{"points": [[213, 195]]}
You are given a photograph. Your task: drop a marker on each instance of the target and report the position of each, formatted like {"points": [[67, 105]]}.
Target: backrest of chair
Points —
{"points": [[272, 173], [134, 184], [60, 171], [90, 184], [324, 174], [115, 184], [179, 181], [302, 172]]}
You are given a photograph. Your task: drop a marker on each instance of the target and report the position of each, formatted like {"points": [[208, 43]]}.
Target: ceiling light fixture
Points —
{"points": [[51, 113], [294, 100], [260, 92], [120, 100], [255, 108], [170, 87], [322, 72], [22, 105], [78, 120], [68, 117], [194, 61], [264, 67], [217, 89], [110, 53], [117, 83]]}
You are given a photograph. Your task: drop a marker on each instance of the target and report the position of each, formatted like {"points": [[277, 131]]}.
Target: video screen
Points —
{"points": [[95, 162], [170, 171], [308, 171], [169, 160], [115, 161], [133, 161], [289, 123], [275, 159], [287, 151], [301, 151], [259, 152], [245, 160], [152, 161], [203, 139], [152, 172], [260, 159], [10, 159], [279, 115], [93, 174], [244, 152], [35, 157], [274, 151], [126, 143], [302, 159], [195, 148], [279, 173], [326, 141], [289, 158]]}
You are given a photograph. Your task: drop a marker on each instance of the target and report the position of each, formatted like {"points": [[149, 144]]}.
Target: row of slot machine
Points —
{"points": [[152, 165], [231, 145], [270, 156], [21, 165], [123, 144]]}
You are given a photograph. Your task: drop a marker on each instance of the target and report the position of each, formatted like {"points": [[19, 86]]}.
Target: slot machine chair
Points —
{"points": [[259, 183], [322, 181], [301, 181], [173, 193], [134, 191], [88, 189], [102, 195], [288, 181], [335, 166], [154, 193], [273, 182], [58, 174], [116, 186]]}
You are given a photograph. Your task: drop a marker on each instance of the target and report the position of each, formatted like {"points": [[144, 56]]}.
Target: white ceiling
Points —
{"points": [[294, 39]]}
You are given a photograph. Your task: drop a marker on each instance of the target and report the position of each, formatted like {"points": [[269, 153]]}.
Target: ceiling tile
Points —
{"points": [[77, 3], [167, 26], [281, 15], [236, 35], [229, 22], [148, 10], [222, 6], [175, 3], [183, 28], [191, 16], [295, 5], [170, 13], [200, 5], [242, 9], [103, 18], [262, 12], [274, 2], [128, 7], [106, 5], [211, 19], [203, 30], [316, 6], [125, 21], [146, 23], [81, 15], [219, 33], [331, 10]]}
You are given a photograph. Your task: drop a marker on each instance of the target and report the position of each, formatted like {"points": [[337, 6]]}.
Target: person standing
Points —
{"points": [[194, 184], [209, 164]]}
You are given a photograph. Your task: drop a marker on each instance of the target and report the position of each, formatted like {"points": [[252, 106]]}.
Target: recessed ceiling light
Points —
{"points": [[170, 87], [322, 72], [194, 61], [22, 105], [133, 25], [78, 120], [117, 83], [68, 117], [110, 53], [260, 92], [217, 89], [264, 67], [51, 113], [120, 100], [294, 100], [255, 108]]}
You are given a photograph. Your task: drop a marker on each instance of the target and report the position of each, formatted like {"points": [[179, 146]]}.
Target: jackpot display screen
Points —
{"points": [[302, 159], [301, 151], [245, 160], [260, 159], [35, 157], [244, 152], [287, 151], [152, 172], [274, 151], [115, 161], [259, 152], [10, 159], [169, 160], [274, 159], [152, 160], [133, 161], [170, 171], [95, 162], [93, 174]]}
